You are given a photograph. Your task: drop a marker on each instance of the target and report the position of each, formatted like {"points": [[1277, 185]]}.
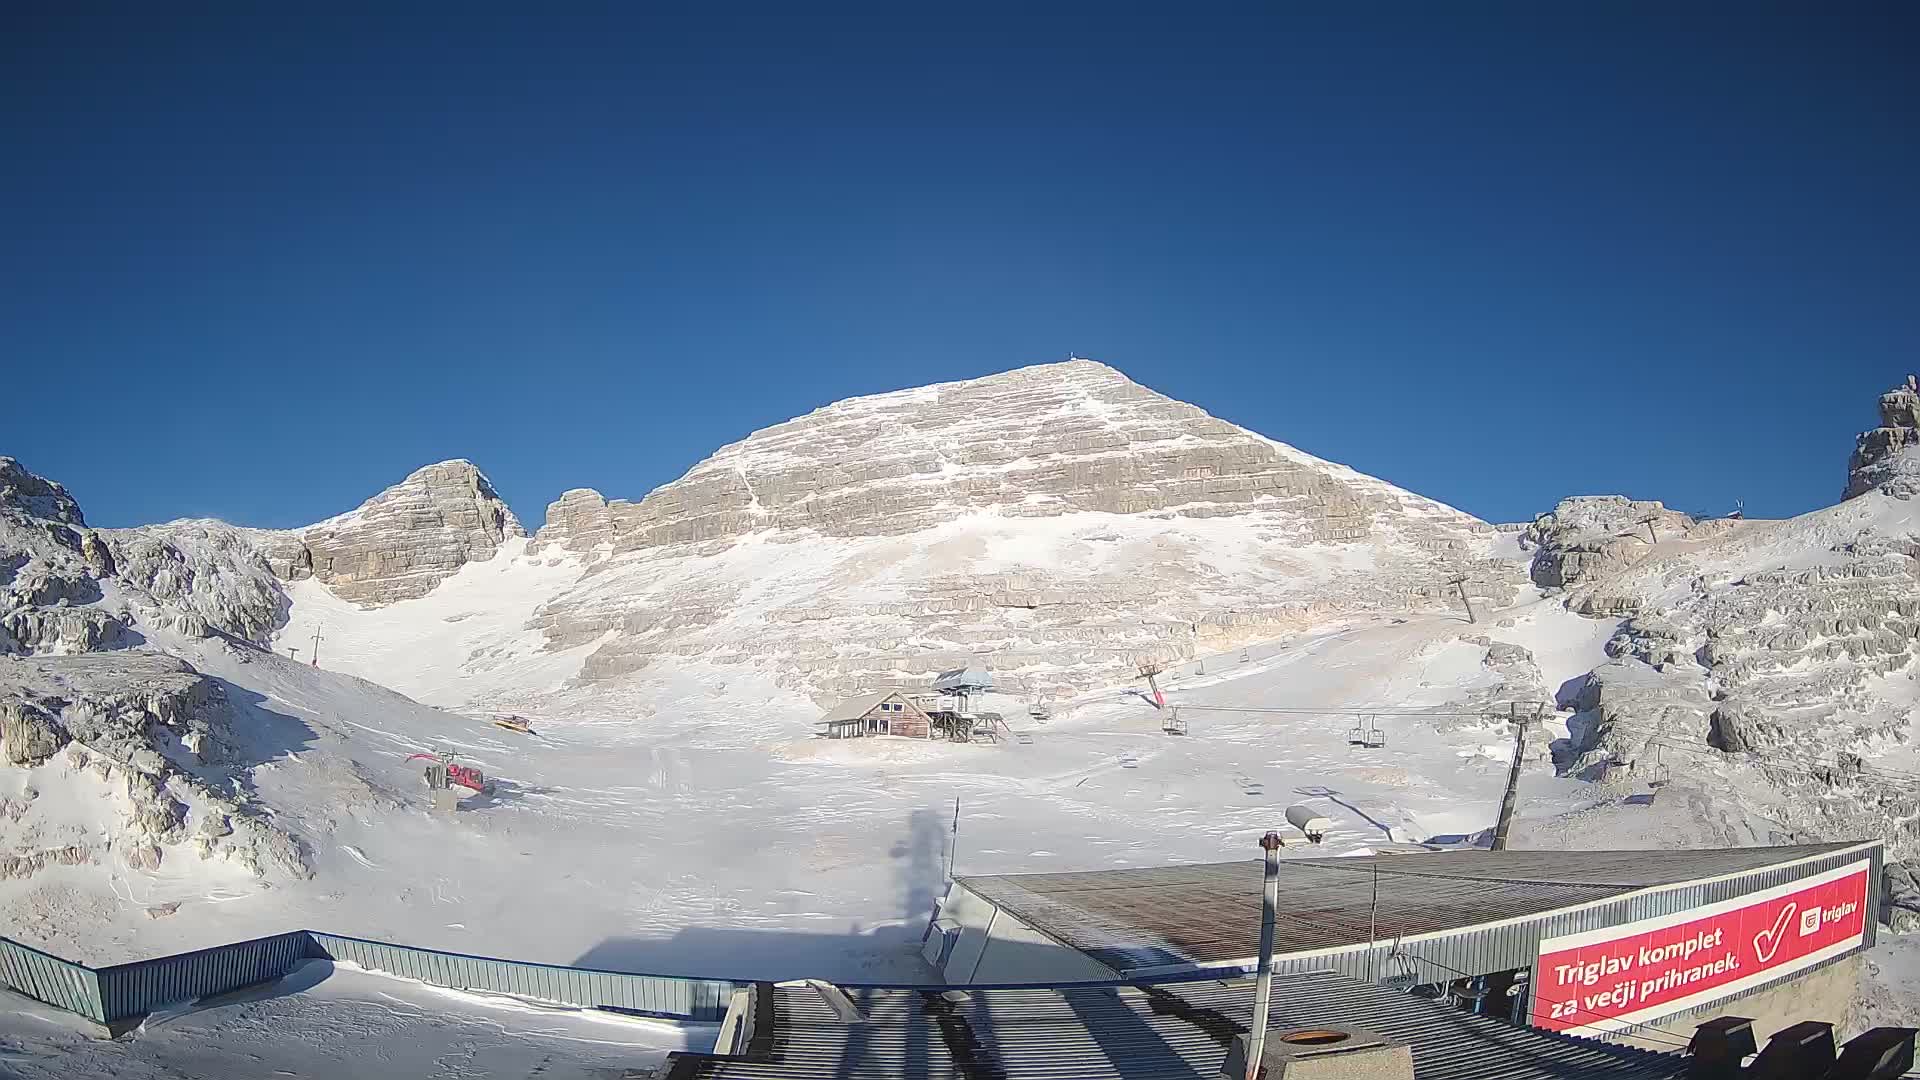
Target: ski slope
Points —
{"points": [[682, 846]]}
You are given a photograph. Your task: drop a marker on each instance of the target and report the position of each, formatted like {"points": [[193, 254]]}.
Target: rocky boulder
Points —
{"points": [[28, 734], [57, 631]]}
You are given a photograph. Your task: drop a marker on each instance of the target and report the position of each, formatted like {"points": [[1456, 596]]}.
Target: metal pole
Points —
{"points": [[1263, 993], [1373, 925], [1460, 583], [1513, 787]]}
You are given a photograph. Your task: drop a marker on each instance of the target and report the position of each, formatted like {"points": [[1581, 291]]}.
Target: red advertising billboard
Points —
{"points": [[1614, 977]]}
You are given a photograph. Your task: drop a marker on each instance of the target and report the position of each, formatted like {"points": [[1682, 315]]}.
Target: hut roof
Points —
{"points": [[856, 707]]}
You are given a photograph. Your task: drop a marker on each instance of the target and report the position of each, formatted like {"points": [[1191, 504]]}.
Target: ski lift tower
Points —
{"points": [[1149, 670], [963, 684]]}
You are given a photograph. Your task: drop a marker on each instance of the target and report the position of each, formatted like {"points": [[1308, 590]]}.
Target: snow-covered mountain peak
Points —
{"points": [[455, 477], [1060, 516], [1038, 441]]}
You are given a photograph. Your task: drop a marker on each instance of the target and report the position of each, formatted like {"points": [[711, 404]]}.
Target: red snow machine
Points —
{"points": [[442, 773]]}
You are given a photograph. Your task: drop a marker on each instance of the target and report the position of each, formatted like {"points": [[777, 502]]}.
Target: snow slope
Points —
{"points": [[679, 846], [468, 641]]}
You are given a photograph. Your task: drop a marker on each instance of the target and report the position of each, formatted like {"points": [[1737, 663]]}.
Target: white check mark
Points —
{"points": [[1767, 942]]}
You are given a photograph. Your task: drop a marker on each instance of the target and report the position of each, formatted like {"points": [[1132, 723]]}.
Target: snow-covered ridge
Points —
{"points": [[1036, 441]]}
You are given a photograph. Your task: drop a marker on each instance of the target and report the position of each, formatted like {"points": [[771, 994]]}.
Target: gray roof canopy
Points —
{"points": [[971, 677]]}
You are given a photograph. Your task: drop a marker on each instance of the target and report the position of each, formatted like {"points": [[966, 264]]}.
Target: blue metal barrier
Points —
{"points": [[45, 977], [671, 996], [138, 988]]}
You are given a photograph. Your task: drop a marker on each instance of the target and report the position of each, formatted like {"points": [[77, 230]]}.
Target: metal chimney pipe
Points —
{"points": [[1263, 991]]}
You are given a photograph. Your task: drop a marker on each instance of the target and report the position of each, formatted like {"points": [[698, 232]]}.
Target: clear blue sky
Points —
{"points": [[260, 267]]}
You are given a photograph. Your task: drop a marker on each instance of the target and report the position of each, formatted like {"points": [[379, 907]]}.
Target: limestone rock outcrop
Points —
{"points": [[1887, 458], [35, 496], [1783, 685], [28, 735], [402, 542], [208, 570], [579, 520], [51, 568], [1774, 664], [1590, 536], [81, 688], [132, 718]]}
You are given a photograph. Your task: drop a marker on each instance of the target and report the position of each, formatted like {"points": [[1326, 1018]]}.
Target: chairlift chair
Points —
{"points": [[1468, 992], [1173, 723], [1660, 775], [1398, 971], [1367, 733]]}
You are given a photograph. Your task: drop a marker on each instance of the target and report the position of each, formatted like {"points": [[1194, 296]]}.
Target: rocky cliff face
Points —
{"points": [[50, 570], [1772, 663], [402, 542], [1591, 536], [1788, 688], [1887, 458], [1061, 520], [201, 578]]}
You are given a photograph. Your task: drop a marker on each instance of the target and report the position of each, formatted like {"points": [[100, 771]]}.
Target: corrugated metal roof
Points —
{"points": [[1170, 1033], [1131, 920]]}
